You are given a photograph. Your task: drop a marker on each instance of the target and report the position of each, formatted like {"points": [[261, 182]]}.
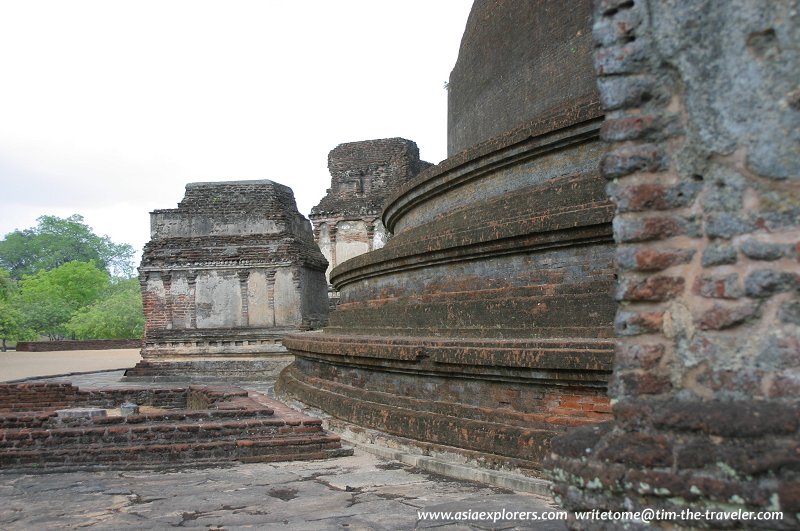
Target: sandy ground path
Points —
{"points": [[18, 365]]}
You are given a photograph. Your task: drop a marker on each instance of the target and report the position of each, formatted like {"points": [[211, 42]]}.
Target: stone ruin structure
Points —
{"points": [[493, 319], [225, 276], [702, 103], [58, 427], [517, 296], [484, 327], [363, 175]]}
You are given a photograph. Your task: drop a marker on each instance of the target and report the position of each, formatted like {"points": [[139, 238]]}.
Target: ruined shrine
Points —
{"points": [[224, 277], [363, 175], [484, 327]]}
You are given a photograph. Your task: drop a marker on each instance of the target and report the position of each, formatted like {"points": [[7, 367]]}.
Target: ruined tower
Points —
{"points": [[363, 175], [224, 277]]}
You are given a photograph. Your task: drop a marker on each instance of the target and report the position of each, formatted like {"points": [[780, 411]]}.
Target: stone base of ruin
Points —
{"points": [[484, 324], [196, 425], [210, 370], [234, 355]]}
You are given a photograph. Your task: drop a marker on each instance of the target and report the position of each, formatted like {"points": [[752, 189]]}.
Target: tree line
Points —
{"points": [[60, 280]]}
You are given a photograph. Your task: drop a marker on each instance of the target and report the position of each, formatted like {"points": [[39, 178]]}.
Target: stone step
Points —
{"points": [[191, 453], [222, 423], [126, 434]]}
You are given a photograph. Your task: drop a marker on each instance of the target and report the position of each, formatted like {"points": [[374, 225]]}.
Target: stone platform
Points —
{"points": [[195, 425], [359, 492]]}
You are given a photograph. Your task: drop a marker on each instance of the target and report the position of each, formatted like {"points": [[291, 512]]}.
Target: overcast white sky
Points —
{"points": [[108, 108]]}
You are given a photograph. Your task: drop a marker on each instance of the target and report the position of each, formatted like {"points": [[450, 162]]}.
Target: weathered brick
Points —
{"points": [[785, 384], [652, 196], [609, 8], [726, 316], [657, 258], [697, 453], [623, 59], [617, 92], [741, 418], [633, 158], [608, 31], [638, 449], [789, 496], [719, 253], [643, 383], [638, 356], [718, 286], [789, 312], [726, 225], [653, 288], [629, 128], [759, 250], [629, 323], [767, 282], [644, 228]]}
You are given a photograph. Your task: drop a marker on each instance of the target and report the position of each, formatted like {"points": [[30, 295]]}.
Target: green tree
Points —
{"points": [[118, 315], [12, 322], [56, 241], [49, 299], [12, 325], [7, 285]]}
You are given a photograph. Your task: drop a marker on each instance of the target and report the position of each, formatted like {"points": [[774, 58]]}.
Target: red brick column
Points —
{"points": [[706, 386]]}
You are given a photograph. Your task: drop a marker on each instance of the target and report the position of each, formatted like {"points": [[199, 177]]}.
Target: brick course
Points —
{"points": [[83, 344]]}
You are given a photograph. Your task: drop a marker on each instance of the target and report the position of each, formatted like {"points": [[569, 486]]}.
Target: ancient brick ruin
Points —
{"points": [[484, 327], [177, 426], [702, 105], [224, 277], [363, 175], [597, 286]]}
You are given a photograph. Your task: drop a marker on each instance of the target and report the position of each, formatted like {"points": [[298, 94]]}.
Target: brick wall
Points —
{"points": [[703, 123], [497, 84], [49, 396], [84, 344]]}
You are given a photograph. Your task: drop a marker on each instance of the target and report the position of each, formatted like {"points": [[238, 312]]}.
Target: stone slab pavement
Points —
{"points": [[18, 365], [360, 492]]}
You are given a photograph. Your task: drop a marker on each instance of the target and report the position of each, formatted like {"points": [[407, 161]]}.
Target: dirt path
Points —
{"points": [[18, 365]]}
